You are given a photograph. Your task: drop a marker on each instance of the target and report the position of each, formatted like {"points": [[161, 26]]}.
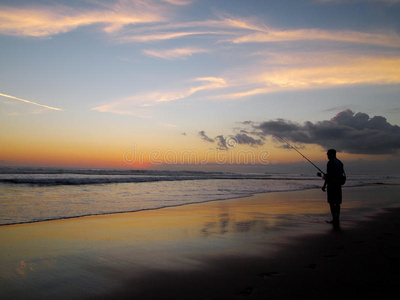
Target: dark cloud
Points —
{"points": [[347, 131], [243, 138], [222, 143], [204, 137], [232, 141]]}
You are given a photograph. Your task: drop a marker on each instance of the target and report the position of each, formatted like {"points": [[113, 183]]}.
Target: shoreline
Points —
{"points": [[251, 247], [375, 184]]}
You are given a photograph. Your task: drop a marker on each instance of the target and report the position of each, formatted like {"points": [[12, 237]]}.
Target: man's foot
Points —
{"points": [[333, 222]]}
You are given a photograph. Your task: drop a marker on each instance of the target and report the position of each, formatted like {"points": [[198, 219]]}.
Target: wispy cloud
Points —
{"points": [[133, 104], [268, 73], [209, 83], [390, 39], [175, 54], [29, 102], [161, 36], [42, 21], [253, 31], [224, 26], [179, 2], [355, 1], [317, 73]]}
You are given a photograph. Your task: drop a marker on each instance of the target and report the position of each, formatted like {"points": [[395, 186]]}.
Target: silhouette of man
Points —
{"points": [[333, 183]]}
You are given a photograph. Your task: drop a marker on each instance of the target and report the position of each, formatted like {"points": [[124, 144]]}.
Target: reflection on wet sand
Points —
{"points": [[94, 254]]}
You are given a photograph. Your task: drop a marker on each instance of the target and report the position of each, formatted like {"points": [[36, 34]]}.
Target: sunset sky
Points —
{"points": [[150, 83]]}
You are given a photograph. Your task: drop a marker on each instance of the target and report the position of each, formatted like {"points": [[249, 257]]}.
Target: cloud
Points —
{"points": [[263, 73], [318, 71], [348, 131], [390, 39], [29, 102], [38, 20], [210, 83], [178, 2], [47, 20], [244, 139], [222, 142], [237, 30], [355, 1], [161, 36], [174, 54], [131, 105], [219, 30], [43, 21], [275, 73], [231, 141], [204, 137]]}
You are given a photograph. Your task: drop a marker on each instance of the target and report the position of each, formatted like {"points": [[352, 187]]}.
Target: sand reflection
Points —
{"points": [[100, 250]]}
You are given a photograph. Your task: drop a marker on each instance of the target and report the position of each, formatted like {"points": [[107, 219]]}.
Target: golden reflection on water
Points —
{"points": [[216, 218], [164, 238], [100, 250]]}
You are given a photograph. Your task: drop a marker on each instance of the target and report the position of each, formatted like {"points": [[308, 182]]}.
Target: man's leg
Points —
{"points": [[335, 211]]}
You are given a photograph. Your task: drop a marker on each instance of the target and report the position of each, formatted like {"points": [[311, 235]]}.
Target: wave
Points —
{"points": [[88, 180], [71, 177], [29, 219], [54, 177], [240, 195], [87, 192]]}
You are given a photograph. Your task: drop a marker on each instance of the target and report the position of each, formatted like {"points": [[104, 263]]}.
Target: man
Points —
{"points": [[333, 182]]}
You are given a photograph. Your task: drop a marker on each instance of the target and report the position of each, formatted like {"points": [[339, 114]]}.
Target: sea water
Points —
{"points": [[40, 194]]}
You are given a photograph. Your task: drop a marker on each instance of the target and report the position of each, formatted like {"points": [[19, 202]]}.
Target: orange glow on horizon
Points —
{"points": [[47, 151], [117, 161]]}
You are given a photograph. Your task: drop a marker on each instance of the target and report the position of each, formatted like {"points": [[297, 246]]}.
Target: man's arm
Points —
{"points": [[325, 177], [324, 186]]}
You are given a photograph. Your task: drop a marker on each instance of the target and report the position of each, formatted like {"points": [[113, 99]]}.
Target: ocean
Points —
{"points": [[42, 194]]}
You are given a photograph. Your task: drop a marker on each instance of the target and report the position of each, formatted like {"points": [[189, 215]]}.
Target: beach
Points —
{"points": [[268, 246]]}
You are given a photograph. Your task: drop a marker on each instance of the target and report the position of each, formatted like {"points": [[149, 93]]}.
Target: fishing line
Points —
{"points": [[285, 141]]}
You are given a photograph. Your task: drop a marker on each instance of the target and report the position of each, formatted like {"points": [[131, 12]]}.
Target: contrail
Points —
{"points": [[30, 102]]}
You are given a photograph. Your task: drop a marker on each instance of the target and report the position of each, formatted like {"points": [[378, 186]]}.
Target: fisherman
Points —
{"points": [[334, 178]]}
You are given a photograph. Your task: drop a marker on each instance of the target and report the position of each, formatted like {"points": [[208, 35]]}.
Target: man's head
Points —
{"points": [[331, 153]]}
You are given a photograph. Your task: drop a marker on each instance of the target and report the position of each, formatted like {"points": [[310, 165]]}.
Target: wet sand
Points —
{"points": [[269, 246], [361, 263]]}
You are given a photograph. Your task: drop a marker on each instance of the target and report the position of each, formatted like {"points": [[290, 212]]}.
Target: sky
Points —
{"points": [[198, 84]]}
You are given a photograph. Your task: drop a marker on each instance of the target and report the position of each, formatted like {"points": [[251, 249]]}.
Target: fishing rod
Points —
{"points": [[285, 141]]}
